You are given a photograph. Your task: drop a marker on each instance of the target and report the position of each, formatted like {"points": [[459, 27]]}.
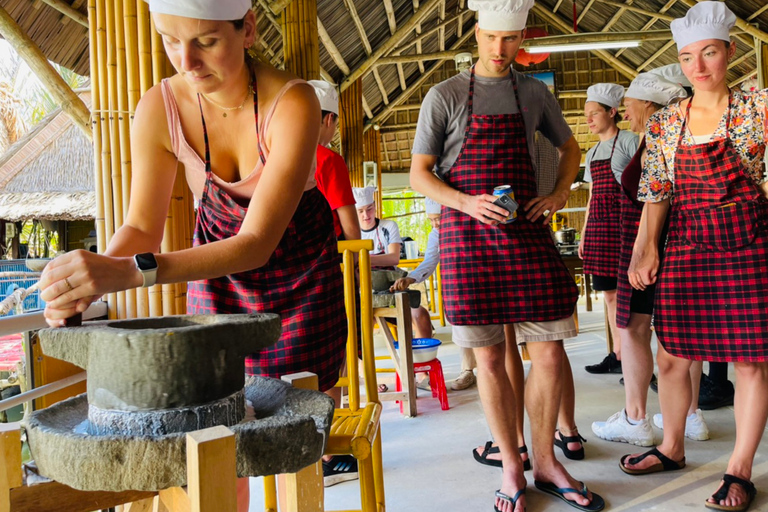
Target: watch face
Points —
{"points": [[146, 261]]}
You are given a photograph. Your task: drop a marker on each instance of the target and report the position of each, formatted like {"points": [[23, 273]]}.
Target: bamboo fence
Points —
{"points": [[127, 58]]}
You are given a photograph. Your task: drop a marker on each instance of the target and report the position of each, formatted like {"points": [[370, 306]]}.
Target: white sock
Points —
{"points": [[633, 422]]}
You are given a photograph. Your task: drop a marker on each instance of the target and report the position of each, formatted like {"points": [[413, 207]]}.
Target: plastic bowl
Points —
{"points": [[424, 349]]}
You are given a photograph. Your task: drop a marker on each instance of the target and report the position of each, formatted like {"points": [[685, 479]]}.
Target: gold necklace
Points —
{"points": [[227, 109]]}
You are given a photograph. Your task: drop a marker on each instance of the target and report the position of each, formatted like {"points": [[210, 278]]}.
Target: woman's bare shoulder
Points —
{"points": [[151, 119]]}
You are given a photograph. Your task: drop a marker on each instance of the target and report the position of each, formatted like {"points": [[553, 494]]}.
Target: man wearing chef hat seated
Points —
{"points": [[477, 129]]}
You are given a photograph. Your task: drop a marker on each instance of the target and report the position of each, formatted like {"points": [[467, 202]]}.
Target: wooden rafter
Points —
{"points": [[387, 111], [620, 65], [557, 6], [367, 109], [424, 35], [656, 55], [67, 10], [441, 30], [390, 15], [624, 7], [278, 6], [401, 33], [418, 33], [616, 17], [382, 89], [331, 48], [758, 12], [350, 5], [70, 102], [584, 11], [651, 22], [741, 59]]}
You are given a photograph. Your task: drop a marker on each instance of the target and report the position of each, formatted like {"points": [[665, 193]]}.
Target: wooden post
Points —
{"points": [[762, 64], [303, 490], [300, 39], [211, 470], [404, 338], [351, 130], [10, 463], [33, 56]]}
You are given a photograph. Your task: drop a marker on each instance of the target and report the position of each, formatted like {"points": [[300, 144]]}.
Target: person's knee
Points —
{"points": [[490, 358], [751, 371], [671, 365], [547, 356], [610, 297]]}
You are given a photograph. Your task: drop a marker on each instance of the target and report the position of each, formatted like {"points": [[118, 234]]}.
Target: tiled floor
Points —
{"points": [[428, 465]]}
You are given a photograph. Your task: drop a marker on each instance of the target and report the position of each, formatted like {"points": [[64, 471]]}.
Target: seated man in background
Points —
{"points": [[384, 233]]}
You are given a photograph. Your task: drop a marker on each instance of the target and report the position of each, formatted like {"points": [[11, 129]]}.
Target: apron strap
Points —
{"points": [[205, 129], [688, 112]]}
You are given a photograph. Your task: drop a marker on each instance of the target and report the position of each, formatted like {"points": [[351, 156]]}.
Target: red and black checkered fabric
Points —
{"points": [[602, 235], [712, 296], [302, 282], [510, 272], [629, 225]]}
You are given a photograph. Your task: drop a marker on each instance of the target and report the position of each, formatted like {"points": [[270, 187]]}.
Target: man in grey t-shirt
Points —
{"points": [[477, 129]]}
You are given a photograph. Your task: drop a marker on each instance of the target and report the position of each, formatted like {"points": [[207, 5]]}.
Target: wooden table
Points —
{"points": [[403, 355]]}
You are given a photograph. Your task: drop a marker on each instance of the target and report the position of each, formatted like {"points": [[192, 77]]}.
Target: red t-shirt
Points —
{"points": [[332, 178]]}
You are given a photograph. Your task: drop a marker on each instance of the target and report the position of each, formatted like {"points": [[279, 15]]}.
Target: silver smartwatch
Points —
{"points": [[147, 265]]}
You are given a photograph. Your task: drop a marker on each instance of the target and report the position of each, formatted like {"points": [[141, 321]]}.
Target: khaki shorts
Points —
{"points": [[476, 336]]}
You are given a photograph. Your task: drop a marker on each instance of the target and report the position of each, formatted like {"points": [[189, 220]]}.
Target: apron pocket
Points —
{"points": [[605, 208], [725, 228]]}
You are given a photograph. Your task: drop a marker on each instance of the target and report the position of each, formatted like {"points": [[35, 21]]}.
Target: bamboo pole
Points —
{"points": [[351, 131], [278, 6], [109, 225], [350, 5], [67, 10], [54, 84], [331, 48], [114, 134], [145, 46], [96, 124], [372, 153], [300, 39]]}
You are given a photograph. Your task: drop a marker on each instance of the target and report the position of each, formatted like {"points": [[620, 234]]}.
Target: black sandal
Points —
{"points": [[562, 442], [489, 449], [665, 463], [722, 493]]}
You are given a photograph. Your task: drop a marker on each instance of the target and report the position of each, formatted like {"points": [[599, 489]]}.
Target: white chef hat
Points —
{"points": [[326, 93], [655, 88], [673, 73], [217, 10], [363, 196], [607, 94], [505, 15], [431, 206], [705, 20]]}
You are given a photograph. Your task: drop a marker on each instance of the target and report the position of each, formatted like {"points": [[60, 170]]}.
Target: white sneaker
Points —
{"points": [[465, 379], [695, 427], [619, 429]]}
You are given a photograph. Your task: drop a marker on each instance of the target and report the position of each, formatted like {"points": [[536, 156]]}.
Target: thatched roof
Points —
{"points": [[352, 31], [48, 174]]}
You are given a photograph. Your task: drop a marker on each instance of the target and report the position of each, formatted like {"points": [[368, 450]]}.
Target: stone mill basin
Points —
{"points": [[152, 380]]}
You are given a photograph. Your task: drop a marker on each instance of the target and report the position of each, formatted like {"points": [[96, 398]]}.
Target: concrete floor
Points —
{"points": [[429, 466]]}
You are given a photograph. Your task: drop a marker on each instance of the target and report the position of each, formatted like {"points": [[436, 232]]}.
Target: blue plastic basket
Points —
{"points": [[424, 349]]}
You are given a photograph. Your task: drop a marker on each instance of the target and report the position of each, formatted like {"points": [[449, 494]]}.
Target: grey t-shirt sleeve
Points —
{"points": [[626, 147], [587, 161], [431, 127]]}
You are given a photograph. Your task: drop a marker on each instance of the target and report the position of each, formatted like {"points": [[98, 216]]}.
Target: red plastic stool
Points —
{"points": [[436, 381]]}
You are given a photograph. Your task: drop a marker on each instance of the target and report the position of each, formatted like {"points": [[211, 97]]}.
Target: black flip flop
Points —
{"points": [[489, 449], [597, 503], [722, 493], [562, 442], [665, 464], [512, 500]]}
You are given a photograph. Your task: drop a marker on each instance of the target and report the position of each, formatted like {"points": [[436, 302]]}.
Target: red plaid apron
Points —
{"points": [[602, 235], [507, 273], [302, 282], [712, 297]]}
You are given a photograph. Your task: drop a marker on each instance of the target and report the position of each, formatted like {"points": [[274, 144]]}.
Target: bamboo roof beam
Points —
{"points": [[418, 33], [390, 16], [740, 22], [67, 10], [460, 21], [652, 22], [742, 79], [423, 35], [387, 111], [401, 33], [656, 55], [584, 11], [441, 30], [350, 5], [741, 59], [758, 12], [278, 6], [616, 17], [331, 48], [557, 6], [271, 17], [367, 109], [382, 89], [401, 77], [621, 66], [56, 86]]}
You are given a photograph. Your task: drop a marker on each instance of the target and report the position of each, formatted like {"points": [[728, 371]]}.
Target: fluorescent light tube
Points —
{"points": [[583, 46]]}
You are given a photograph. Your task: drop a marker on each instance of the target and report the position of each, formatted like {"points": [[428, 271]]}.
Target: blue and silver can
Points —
{"points": [[506, 190]]}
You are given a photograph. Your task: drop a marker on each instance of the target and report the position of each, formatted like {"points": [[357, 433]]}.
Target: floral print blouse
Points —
{"points": [[748, 133]]}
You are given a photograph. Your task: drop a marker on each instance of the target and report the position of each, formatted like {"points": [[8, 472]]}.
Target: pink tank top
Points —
{"points": [[194, 165]]}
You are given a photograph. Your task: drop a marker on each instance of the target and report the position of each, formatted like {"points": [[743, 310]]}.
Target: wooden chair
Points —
{"points": [[356, 430]]}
